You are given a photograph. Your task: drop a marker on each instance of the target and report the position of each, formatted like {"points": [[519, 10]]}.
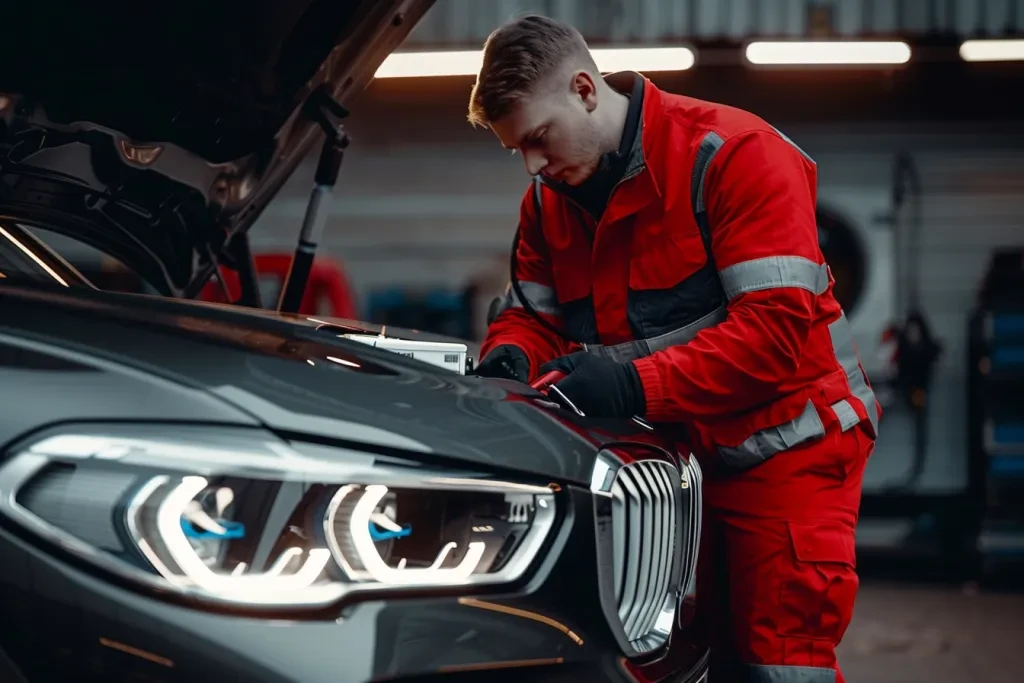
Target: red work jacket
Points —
{"points": [[705, 272]]}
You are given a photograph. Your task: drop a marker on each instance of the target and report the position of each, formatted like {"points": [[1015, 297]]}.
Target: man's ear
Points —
{"points": [[584, 87]]}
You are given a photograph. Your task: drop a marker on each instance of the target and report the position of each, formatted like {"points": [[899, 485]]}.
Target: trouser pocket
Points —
{"points": [[819, 581]]}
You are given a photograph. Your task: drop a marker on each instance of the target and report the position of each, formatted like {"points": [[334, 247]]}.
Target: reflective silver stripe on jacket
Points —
{"points": [[709, 147], [631, 350], [786, 138], [541, 297], [846, 353], [847, 415], [774, 271], [807, 426], [762, 445], [710, 144], [762, 673]]}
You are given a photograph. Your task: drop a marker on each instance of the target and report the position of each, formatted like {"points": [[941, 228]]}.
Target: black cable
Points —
{"points": [[916, 220], [527, 306], [917, 355], [907, 181], [514, 268]]}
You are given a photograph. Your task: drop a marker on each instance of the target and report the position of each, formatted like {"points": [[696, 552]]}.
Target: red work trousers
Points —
{"points": [[776, 578]]}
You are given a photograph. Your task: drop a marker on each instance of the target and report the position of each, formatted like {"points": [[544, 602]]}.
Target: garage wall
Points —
{"points": [[973, 185], [427, 201], [457, 21]]}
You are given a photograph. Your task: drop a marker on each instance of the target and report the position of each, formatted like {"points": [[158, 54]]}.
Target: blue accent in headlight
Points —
{"points": [[378, 534], [232, 530]]}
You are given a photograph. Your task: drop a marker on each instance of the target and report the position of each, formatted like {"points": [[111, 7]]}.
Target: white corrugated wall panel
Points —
{"points": [[469, 21], [997, 14], [968, 15], [916, 17], [883, 17], [848, 18]]}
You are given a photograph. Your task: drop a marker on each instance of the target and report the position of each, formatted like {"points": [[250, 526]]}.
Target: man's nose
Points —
{"points": [[535, 163]]}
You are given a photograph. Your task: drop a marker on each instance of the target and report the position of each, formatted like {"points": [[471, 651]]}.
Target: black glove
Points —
{"points": [[598, 386], [505, 362]]}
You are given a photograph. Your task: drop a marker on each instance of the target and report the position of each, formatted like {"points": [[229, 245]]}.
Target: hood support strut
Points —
{"points": [[323, 109]]}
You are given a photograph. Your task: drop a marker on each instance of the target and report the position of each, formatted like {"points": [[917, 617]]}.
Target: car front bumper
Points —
{"points": [[63, 622]]}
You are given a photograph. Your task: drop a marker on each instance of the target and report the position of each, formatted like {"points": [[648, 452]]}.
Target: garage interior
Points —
{"points": [[921, 213], [921, 179]]}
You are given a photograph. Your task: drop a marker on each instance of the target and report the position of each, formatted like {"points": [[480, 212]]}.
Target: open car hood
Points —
{"points": [[156, 130]]}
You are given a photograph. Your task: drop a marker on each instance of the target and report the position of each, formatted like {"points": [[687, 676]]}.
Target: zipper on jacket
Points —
{"points": [[615, 188], [628, 176]]}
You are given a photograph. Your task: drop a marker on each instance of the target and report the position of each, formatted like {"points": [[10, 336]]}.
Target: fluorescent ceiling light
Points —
{"points": [[468, 62], [992, 50], [643, 59], [828, 52], [445, 63]]}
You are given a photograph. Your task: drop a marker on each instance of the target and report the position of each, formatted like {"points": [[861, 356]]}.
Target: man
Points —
{"points": [[667, 260]]}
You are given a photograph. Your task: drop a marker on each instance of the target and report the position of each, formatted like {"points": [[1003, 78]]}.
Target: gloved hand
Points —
{"points": [[598, 386], [505, 362]]}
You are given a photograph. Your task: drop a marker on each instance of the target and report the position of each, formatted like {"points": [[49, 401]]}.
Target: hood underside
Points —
{"points": [[156, 130]]}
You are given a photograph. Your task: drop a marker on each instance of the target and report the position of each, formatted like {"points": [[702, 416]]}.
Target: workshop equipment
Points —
{"points": [[447, 355], [996, 416], [920, 528], [917, 350]]}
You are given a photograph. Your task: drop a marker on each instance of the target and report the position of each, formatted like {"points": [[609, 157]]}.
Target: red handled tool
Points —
{"points": [[546, 385], [547, 379]]}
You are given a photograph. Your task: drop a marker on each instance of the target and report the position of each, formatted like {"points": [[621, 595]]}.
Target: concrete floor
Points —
{"points": [[906, 633]]}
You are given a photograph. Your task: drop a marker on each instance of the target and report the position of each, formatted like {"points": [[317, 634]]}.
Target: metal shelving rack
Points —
{"points": [[996, 418]]}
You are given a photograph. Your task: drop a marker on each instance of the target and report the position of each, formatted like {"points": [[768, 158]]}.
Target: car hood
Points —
{"points": [[156, 130], [343, 326], [309, 383]]}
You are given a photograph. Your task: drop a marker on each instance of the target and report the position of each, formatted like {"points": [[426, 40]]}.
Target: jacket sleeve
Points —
{"points": [[513, 324], [760, 198]]}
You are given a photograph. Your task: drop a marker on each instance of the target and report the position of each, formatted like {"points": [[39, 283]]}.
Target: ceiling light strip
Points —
{"points": [[992, 50], [827, 52], [468, 62]]}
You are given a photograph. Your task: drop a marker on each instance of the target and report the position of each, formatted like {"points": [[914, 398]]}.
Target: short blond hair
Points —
{"points": [[517, 56]]}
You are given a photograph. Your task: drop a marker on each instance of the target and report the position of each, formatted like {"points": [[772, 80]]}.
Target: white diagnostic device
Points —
{"points": [[448, 355]]}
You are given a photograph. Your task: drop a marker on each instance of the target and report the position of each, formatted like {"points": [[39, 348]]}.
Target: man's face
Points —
{"points": [[555, 131]]}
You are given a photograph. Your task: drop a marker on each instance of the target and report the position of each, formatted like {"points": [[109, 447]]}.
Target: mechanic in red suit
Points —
{"points": [[667, 259]]}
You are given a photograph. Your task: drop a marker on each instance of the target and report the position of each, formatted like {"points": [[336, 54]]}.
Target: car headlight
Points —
{"points": [[229, 517]]}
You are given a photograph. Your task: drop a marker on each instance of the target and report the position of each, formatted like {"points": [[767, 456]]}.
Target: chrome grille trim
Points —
{"points": [[647, 540], [694, 520]]}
